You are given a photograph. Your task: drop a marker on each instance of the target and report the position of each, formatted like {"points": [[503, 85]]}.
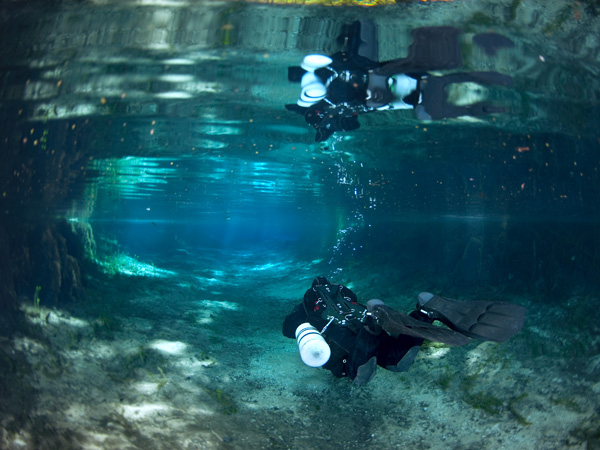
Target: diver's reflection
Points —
{"points": [[336, 89]]}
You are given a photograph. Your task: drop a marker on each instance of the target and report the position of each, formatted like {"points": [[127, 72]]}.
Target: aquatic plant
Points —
{"points": [[480, 18], [137, 359], [490, 403], [206, 359], [514, 6], [560, 19], [589, 431], [160, 382], [446, 378], [106, 324], [485, 401], [74, 338], [513, 409], [568, 403], [120, 263], [228, 405], [117, 421], [36, 298], [54, 365]]}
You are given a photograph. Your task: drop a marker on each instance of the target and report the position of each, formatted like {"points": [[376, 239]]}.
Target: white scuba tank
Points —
{"points": [[310, 63], [313, 90], [313, 349]]}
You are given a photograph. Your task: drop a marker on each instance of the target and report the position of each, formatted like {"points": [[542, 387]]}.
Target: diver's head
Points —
{"points": [[320, 281]]}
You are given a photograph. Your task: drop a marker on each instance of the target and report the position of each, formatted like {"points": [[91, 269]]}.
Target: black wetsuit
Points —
{"points": [[357, 83], [352, 345]]}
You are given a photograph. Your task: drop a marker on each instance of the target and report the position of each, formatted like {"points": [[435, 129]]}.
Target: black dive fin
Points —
{"points": [[490, 321], [397, 323], [433, 48]]}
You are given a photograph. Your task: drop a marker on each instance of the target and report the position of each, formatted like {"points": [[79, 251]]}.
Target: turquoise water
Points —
{"points": [[172, 212]]}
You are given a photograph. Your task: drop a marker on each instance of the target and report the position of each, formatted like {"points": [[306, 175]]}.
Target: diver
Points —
{"points": [[335, 331], [336, 89]]}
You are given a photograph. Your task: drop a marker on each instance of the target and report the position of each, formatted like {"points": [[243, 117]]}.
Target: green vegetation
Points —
{"points": [[514, 6], [589, 432], [446, 379], [560, 19], [105, 325], [160, 382], [54, 366], [480, 18], [133, 366], [513, 409], [74, 338], [116, 421], [567, 403], [226, 402], [36, 298], [137, 359], [206, 359], [487, 402], [431, 344]]}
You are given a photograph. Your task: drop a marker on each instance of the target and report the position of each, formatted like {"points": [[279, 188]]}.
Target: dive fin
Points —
{"points": [[397, 323], [490, 321], [433, 48]]}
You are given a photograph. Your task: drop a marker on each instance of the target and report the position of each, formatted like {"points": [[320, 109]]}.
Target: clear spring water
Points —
{"points": [[162, 125]]}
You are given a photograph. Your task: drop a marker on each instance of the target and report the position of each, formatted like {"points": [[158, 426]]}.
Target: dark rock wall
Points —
{"points": [[47, 255]]}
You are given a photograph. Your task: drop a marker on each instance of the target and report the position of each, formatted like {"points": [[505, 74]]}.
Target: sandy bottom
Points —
{"points": [[148, 363]]}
